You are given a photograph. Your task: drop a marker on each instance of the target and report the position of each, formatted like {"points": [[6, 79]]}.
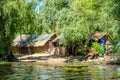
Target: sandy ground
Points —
{"points": [[49, 59]]}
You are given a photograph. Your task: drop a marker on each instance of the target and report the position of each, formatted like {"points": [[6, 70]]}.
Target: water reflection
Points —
{"points": [[5, 69], [33, 71]]}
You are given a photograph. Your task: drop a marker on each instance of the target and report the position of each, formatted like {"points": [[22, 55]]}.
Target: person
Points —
{"points": [[102, 43]]}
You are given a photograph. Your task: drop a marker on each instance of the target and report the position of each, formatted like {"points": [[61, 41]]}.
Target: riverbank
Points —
{"points": [[50, 59]]}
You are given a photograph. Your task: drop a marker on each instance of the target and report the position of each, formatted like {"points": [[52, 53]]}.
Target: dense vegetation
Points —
{"points": [[75, 19]]}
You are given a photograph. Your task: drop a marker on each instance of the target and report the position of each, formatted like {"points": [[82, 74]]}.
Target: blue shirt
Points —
{"points": [[102, 42]]}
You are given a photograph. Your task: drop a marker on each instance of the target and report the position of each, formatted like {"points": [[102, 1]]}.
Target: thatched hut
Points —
{"points": [[32, 44], [95, 37]]}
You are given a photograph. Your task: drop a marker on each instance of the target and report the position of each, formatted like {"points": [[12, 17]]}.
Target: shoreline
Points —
{"points": [[49, 59]]}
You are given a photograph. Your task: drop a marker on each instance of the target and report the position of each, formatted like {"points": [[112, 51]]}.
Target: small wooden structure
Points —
{"points": [[32, 44], [95, 37]]}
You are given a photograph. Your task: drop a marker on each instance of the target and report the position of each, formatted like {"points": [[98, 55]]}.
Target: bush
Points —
{"points": [[97, 47]]}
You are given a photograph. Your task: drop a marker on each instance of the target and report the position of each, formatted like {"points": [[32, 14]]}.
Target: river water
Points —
{"points": [[36, 71]]}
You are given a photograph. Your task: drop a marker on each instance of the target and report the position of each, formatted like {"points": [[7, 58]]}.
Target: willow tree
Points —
{"points": [[16, 16], [96, 15], [77, 19], [51, 15]]}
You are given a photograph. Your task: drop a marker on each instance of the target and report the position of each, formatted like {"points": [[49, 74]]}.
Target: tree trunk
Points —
{"points": [[10, 56], [69, 50], [73, 50]]}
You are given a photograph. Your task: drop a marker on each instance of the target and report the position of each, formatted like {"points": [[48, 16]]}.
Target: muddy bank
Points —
{"points": [[49, 59]]}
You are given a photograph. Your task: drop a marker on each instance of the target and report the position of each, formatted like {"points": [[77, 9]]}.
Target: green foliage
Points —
{"points": [[97, 47], [2, 47], [74, 19], [71, 36], [16, 17]]}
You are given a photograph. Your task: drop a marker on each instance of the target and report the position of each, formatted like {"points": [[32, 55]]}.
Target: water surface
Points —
{"points": [[36, 71]]}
